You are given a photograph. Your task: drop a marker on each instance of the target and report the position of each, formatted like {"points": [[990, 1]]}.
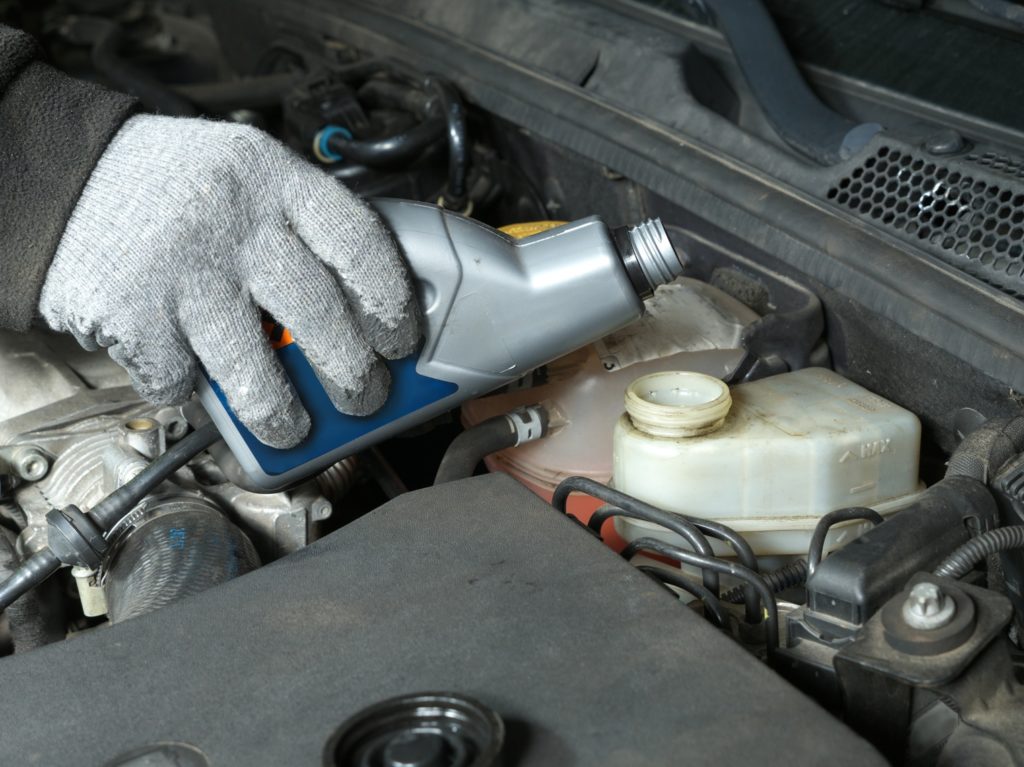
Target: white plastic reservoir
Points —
{"points": [[767, 458]]}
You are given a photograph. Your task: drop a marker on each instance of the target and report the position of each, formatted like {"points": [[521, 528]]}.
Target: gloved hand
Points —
{"points": [[185, 228]]}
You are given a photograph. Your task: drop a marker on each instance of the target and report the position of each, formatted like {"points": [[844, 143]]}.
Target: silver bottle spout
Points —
{"points": [[648, 256]]}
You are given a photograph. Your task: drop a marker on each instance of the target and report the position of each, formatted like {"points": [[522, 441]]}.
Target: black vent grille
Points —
{"points": [[973, 223], [1001, 163]]}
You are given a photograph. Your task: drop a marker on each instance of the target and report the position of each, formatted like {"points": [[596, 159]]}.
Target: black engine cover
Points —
{"points": [[476, 587]]}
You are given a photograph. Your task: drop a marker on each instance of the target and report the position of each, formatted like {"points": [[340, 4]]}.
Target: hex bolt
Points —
{"points": [[927, 608], [321, 509]]}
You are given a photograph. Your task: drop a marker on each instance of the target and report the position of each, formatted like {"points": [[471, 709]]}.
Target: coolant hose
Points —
{"points": [[110, 510], [490, 436], [247, 93], [964, 558], [30, 573]]}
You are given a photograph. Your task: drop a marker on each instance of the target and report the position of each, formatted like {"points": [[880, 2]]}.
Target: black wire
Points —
{"points": [[725, 568], [29, 574], [785, 577], [817, 545], [628, 506], [967, 556], [712, 604], [111, 509]]}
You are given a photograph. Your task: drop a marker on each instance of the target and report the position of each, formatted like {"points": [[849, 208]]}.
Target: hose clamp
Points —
{"points": [[530, 423]]}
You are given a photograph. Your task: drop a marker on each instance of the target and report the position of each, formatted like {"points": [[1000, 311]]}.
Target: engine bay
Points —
{"points": [[778, 516]]}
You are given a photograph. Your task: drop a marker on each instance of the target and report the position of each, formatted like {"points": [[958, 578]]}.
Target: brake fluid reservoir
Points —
{"points": [[767, 458]]}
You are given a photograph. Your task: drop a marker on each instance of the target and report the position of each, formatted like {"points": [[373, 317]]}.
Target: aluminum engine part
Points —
{"points": [[72, 430]]}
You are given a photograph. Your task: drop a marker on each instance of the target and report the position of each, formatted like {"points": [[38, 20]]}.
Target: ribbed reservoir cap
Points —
{"points": [[677, 404]]}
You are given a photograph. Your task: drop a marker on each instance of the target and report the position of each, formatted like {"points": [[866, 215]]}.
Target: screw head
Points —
{"points": [[31, 464], [945, 142], [928, 608]]}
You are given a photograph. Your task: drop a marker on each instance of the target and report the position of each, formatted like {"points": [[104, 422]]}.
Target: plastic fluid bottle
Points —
{"points": [[494, 308], [768, 458]]}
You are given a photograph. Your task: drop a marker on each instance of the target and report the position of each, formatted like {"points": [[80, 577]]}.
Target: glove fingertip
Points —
{"points": [[401, 342], [282, 429], [392, 343], [368, 398]]}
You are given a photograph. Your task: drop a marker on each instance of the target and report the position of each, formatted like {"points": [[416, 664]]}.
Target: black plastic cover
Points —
{"points": [[854, 582], [475, 587]]}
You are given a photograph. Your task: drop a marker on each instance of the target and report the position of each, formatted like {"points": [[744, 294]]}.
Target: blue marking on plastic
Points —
{"points": [[330, 429], [325, 133], [177, 537]]}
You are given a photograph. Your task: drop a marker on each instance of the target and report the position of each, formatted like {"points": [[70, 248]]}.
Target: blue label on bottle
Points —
{"points": [[330, 429]]}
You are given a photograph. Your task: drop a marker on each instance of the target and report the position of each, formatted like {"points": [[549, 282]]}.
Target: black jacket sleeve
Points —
{"points": [[53, 130]]}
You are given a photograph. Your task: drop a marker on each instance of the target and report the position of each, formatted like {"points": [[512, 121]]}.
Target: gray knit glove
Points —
{"points": [[185, 228]]}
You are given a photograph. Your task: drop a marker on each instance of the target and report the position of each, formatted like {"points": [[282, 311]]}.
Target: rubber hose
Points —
{"points": [[377, 94], [1001, 9], [35, 620], [986, 449], [785, 577], [127, 77], [29, 574], [458, 146], [472, 445], [111, 509], [391, 151], [187, 547], [966, 557], [246, 93], [794, 111]]}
